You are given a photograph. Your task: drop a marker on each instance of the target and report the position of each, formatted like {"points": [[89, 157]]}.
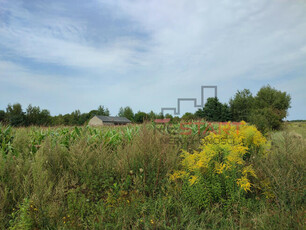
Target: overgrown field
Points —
{"points": [[152, 177]]}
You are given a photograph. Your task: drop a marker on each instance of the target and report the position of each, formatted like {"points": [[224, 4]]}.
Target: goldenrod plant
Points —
{"points": [[221, 170]]}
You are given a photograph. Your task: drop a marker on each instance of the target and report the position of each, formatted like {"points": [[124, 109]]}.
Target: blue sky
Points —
{"points": [[67, 55]]}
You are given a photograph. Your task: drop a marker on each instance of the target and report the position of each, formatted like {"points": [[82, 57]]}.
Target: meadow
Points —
{"points": [[152, 177]]}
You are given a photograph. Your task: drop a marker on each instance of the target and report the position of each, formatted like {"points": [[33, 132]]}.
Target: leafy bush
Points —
{"points": [[270, 108]]}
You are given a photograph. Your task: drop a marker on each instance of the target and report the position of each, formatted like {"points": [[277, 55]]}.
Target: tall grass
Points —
{"points": [[85, 178]]}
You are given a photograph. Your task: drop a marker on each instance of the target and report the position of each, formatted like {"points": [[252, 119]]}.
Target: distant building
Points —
{"points": [[105, 120], [162, 121]]}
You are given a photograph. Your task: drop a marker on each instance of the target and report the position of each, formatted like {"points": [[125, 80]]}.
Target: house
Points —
{"points": [[162, 121], [105, 120]]}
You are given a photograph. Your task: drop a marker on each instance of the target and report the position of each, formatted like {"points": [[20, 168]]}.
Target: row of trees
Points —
{"points": [[33, 115], [266, 109]]}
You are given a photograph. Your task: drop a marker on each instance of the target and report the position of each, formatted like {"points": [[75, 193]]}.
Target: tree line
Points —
{"points": [[266, 110]]}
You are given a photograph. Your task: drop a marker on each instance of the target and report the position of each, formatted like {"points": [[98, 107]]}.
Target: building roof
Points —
{"points": [[162, 121], [114, 119]]}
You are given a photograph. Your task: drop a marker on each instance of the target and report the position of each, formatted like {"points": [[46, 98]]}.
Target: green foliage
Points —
{"points": [[118, 178], [6, 140], [283, 172], [2, 116], [21, 218], [169, 116], [188, 117], [35, 116], [241, 105], [220, 172], [126, 112], [214, 110], [102, 111], [140, 117], [14, 115], [270, 108], [152, 115]]}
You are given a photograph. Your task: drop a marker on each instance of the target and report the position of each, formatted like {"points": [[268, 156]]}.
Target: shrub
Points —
{"points": [[220, 172], [270, 108]]}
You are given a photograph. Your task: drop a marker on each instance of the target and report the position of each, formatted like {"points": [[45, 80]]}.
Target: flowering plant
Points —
{"points": [[220, 170]]}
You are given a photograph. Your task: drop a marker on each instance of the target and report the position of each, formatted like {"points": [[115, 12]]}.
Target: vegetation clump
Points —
{"points": [[133, 177], [221, 170]]}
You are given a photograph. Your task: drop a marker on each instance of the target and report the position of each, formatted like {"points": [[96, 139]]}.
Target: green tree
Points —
{"points": [[226, 114], [126, 112], [15, 115], [241, 105], [188, 116], [75, 118], [58, 120], [176, 120], [45, 117], [32, 115], [102, 111], [169, 116], [2, 116], [152, 115], [160, 116], [140, 117], [270, 108], [35, 116], [214, 110]]}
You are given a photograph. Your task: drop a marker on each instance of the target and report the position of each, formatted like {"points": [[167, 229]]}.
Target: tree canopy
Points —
{"points": [[214, 110], [126, 112], [266, 110], [241, 105]]}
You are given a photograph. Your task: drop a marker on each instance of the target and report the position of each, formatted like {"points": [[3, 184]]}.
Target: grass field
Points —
{"points": [[139, 177], [298, 127]]}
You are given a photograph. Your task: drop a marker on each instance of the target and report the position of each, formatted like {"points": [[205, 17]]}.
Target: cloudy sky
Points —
{"points": [[73, 54]]}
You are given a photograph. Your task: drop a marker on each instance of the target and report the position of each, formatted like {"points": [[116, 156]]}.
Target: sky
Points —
{"points": [[73, 54]]}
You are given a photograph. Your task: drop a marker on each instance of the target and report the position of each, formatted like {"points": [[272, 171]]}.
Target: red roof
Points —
{"points": [[162, 121]]}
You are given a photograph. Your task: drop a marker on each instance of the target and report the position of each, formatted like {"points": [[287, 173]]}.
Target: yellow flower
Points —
{"points": [[244, 183], [152, 222], [249, 170], [222, 152], [220, 167], [193, 179]]}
